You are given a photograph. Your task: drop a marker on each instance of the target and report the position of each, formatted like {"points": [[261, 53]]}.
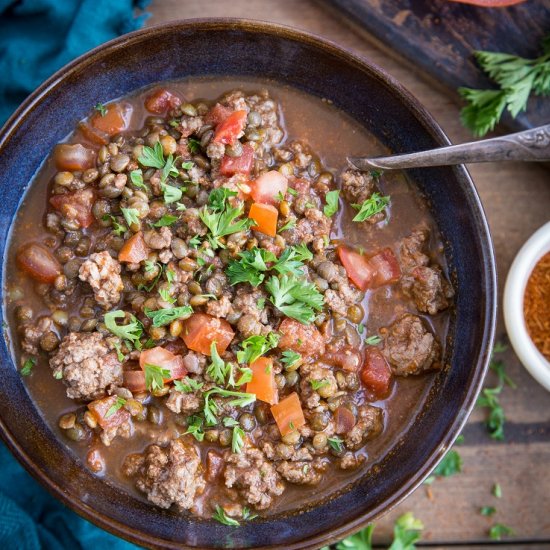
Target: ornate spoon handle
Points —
{"points": [[530, 145]]}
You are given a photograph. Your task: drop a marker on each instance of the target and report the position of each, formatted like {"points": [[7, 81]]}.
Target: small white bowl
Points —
{"points": [[516, 281]]}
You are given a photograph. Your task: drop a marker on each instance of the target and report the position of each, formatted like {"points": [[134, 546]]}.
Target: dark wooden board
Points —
{"points": [[439, 37]]}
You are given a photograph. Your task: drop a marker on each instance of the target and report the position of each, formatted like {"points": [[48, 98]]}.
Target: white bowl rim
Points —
{"points": [[516, 281]]}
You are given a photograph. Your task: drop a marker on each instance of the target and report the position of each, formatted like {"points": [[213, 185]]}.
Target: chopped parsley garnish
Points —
{"points": [[118, 228], [194, 145], [170, 275], [218, 198], [516, 78], [336, 443], [245, 377], [120, 356], [229, 422], [101, 109], [497, 490], [136, 177], [288, 225], [250, 267], [194, 427], [240, 399], [223, 223], [169, 169], [153, 157], [294, 297], [162, 317], [318, 384], [237, 440], [187, 165], [166, 296], [165, 221], [332, 203], [373, 340], [131, 215], [118, 404], [221, 516], [247, 515], [292, 260], [256, 346], [188, 385], [218, 370], [487, 510], [499, 530], [170, 193], [290, 358], [373, 205], [260, 304], [155, 377], [28, 365], [292, 192], [130, 332], [180, 207]]}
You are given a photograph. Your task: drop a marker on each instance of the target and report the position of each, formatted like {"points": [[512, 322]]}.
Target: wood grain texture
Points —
{"points": [[516, 198], [439, 37]]}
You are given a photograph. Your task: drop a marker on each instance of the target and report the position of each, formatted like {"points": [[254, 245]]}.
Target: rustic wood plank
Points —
{"points": [[517, 201], [439, 37]]}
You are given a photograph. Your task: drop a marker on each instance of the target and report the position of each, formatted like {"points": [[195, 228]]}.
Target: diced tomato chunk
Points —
{"points": [[288, 414], [134, 249], [238, 165], [263, 384], [357, 267], [134, 380], [73, 157], [114, 120], [376, 373], [161, 100], [76, 206], [303, 339], [100, 409], [380, 269], [200, 331], [38, 262], [269, 188], [386, 268], [228, 131], [217, 114], [161, 357], [93, 135], [346, 358], [265, 217]]}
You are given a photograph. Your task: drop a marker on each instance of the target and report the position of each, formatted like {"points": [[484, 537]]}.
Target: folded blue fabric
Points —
{"points": [[37, 37]]}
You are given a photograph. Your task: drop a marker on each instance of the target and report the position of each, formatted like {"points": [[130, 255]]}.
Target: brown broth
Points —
{"points": [[333, 136]]}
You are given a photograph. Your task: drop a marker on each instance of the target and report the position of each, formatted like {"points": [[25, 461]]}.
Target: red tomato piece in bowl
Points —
{"points": [[238, 165], [263, 384], [269, 188], [370, 272], [201, 330], [107, 414], [73, 157], [229, 130], [134, 250], [76, 206], [114, 120], [161, 100], [376, 373], [37, 260], [265, 218], [161, 357]]}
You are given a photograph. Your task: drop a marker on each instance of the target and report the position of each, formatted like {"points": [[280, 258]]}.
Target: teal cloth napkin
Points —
{"points": [[37, 37]]}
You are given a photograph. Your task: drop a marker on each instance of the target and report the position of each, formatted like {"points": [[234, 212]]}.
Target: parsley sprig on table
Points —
{"points": [[490, 397], [295, 297], [406, 532], [517, 78]]}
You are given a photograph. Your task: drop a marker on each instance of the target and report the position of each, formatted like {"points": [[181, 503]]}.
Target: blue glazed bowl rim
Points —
{"points": [[430, 126]]}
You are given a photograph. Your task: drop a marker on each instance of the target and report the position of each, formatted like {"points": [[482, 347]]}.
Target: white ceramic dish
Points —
{"points": [[516, 281]]}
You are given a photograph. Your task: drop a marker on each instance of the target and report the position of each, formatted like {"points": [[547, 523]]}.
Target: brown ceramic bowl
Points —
{"points": [[232, 47]]}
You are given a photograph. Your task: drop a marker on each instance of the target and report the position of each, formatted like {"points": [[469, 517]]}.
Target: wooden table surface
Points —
{"points": [[516, 198]]}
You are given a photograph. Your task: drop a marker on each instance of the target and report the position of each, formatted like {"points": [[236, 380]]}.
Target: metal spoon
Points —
{"points": [[530, 145]]}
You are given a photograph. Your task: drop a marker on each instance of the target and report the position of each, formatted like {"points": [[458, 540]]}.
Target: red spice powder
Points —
{"points": [[536, 305]]}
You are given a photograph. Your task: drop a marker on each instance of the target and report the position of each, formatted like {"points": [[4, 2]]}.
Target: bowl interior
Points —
{"points": [[243, 48]]}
